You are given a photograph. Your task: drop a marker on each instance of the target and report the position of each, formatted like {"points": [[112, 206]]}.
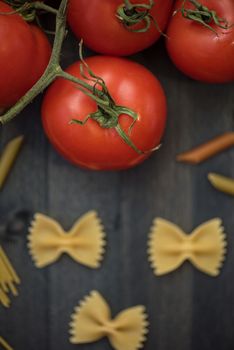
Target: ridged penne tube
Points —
{"points": [[8, 157], [4, 344], [222, 183]]}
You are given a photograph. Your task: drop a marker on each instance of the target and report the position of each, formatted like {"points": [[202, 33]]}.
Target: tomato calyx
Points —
{"points": [[132, 14], [23, 8], [203, 15], [108, 118], [108, 113], [28, 9]]}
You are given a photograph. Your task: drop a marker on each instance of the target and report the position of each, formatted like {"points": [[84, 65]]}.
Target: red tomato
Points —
{"points": [[24, 55], [95, 21], [90, 145], [197, 51]]}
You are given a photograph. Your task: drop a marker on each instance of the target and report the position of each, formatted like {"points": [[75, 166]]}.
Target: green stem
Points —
{"points": [[128, 5], [41, 6], [196, 3], [107, 114], [203, 15], [28, 10], [51, 72], [27, 98], [132, 14], [126, 139], [85, 85]]}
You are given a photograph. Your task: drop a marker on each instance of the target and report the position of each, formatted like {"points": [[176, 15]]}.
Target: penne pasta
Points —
{"points": [[5, 345], [8, 157], [222, 183], [208, 149]]}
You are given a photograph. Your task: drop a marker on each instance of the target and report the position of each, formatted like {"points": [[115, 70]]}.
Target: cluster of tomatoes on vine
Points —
{"points": [[108, 112]]}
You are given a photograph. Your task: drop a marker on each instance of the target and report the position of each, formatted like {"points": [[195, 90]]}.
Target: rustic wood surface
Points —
{"points": [[187, 309]]}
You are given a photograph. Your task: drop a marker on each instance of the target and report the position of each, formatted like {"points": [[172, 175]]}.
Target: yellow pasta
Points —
{"points": [[84, 242], [8, 157], [4, 299], [222, 183], [92, 321], [8, 279], [169, 247], [5, 345]]}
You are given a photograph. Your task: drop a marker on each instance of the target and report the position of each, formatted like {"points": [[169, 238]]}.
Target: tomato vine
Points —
{"points": [[108, 112]]}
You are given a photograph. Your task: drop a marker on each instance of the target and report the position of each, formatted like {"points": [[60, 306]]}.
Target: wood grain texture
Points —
{"points": [[187, 310]]}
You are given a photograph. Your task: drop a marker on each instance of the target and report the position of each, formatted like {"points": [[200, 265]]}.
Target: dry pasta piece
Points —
{"points": [[92, 321], [169, 247], [8, 279], [208, 149], [8, 157], [222, 183], [4, 299], [4, 344], [84, 242]]}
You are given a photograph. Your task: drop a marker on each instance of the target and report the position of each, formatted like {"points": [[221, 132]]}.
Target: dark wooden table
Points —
{"points": [[187, 309]]}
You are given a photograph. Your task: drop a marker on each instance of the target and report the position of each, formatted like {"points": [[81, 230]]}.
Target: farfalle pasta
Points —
{"points": [[84, 242], [91, 321], [169, 247], [8, 279]]}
